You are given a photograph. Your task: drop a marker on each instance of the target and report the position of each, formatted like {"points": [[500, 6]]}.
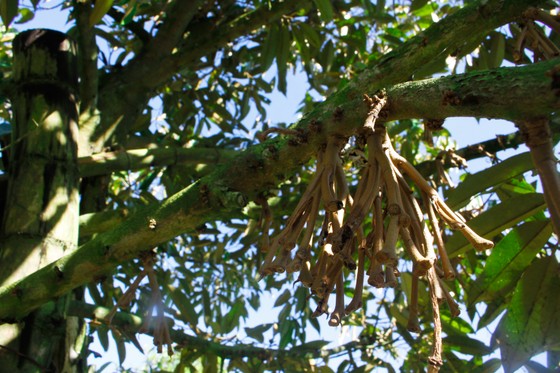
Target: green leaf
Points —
{"points": [[257, 332], [100, 8], [479, 182], [466, 345], [497, 219], [282, 299], [231, 319], [8, 11], [493, 310], [532, 322], [455, 325], [286, 330], [417, 4], [185, 305], [314, 345], [282, 55], [497, 49], [26, 15], [534, 367], [490, 366], [311, 35], [511, 256], [270, 46], [325, 10], [121, 349], [129, 13]]}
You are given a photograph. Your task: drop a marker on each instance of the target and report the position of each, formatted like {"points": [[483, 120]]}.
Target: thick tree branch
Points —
{"points": [[255, 170], [482, 94]]}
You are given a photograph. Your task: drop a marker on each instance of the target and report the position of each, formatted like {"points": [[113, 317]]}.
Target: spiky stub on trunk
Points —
{"points": [[40, 221]]}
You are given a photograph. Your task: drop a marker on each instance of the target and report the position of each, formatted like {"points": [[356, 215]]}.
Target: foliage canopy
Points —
{"points": [[186, 180]]}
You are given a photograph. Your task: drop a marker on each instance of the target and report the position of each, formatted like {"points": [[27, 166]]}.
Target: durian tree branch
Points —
{"points": [[258, 168], [481, 94], [484, 94]]}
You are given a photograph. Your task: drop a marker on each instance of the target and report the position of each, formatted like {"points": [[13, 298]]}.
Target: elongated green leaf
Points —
{"points": [[417, 4], [282, 56], [100, 8], [121, 349], [479, 182], [282, 299], [466, 345], [258, 331], [490, 366], [311, 35], [185, 306], [129, 13], [270, 46], [326, 10], [8, 11], [26, 15], [498, 218], [532, 322], [314, 345], [455, 325], [497, 45], [513, 254]]}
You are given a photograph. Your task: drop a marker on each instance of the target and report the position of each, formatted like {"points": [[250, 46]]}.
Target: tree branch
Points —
{"points": [[118, 101], [256, 169], [178, 16], [482, 94], [131, 323], [135, 159], [538, 137]]}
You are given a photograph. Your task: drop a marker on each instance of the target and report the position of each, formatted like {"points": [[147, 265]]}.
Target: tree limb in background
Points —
{"points": [[131, 324]]}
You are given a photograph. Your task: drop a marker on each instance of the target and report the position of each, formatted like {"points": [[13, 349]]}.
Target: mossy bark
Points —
{"points": [[40, 222]]}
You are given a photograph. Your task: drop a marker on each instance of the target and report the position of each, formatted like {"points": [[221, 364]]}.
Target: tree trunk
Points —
{"points": [[41, 215]]}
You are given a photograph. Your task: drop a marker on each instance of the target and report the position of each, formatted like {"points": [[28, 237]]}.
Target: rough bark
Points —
{"points": [[41, 216]]}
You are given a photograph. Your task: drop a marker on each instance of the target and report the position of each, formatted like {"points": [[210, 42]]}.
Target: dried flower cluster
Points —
{"points": [[397, 216], [533, 37]]}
